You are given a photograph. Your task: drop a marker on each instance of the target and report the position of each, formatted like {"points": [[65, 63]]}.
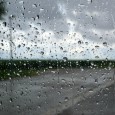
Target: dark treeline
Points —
{"points": [[2, 8], [25, 68], [42, 64]]}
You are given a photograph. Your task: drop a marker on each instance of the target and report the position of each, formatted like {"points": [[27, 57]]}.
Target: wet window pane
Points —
{"points": [[57, 57]]}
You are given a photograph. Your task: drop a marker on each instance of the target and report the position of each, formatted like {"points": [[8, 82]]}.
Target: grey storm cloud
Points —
{"points": [[52, 21], [53, 13]]}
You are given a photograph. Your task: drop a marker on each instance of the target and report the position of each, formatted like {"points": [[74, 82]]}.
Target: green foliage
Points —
{"points": [[2, 9], [20, 68]]}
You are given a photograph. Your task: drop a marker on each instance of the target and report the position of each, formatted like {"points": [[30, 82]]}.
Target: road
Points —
{"points": [[52, 91], [103, 103]]}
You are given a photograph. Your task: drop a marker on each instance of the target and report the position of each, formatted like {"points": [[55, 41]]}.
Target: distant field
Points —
{"points": [[21, 68]]}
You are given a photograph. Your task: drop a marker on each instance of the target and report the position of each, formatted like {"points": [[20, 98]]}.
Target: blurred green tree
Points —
{"points": [[2, 9]]}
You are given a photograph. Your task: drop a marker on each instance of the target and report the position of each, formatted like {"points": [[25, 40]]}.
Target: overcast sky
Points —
{"points": [[53, 29]]}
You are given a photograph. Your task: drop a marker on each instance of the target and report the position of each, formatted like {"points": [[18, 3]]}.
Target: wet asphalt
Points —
{"points": [[103, 103], [49, 92]]}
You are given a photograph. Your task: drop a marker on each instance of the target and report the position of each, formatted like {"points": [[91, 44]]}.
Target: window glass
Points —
{"points": [[57, 57]]}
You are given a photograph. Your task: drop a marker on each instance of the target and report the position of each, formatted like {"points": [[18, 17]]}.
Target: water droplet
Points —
{"points": [[61, 48], [38, 96], [89, 1], [42, 52], [86, 43], [42, 31], [11, 100], [0, 102], [66, 99], [50, 67], [90, 91], [101, 38], [97, 57], [2, 44], [79, 42], [59, 92], [17, 106], [96, 46], [65, 59], [96, 80], [38, 16], [82, 87], [105, 43], [19, 46], [42, 9], [53, 71], [21, 2], [5, 24], [63, 80], [39, 106], [34, 5], [21, 93]]}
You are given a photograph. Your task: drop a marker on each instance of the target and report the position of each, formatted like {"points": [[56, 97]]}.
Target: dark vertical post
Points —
{"points": [[10, 24], [11, 67]]}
